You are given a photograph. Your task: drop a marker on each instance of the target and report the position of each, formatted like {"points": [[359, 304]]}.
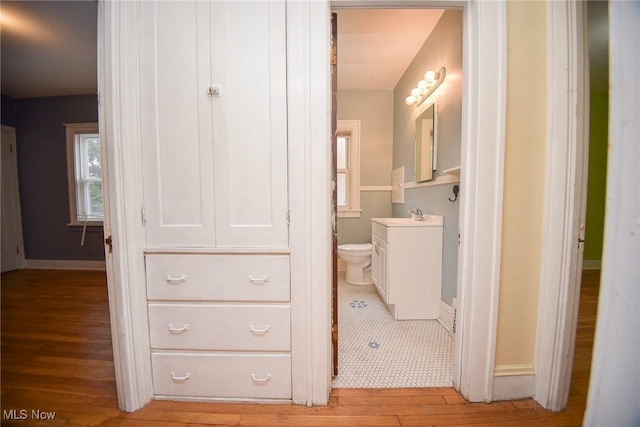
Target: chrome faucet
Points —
{"points": [[418, 214]]}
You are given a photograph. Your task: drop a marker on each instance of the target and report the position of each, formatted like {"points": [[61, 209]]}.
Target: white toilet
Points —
{"points": [[357, 257]]}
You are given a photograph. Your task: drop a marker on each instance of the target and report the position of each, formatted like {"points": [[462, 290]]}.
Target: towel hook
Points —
{"points": [[456, 190]]}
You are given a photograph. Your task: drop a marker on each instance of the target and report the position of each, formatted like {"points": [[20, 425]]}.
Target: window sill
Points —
{"points": [[89, 224]]}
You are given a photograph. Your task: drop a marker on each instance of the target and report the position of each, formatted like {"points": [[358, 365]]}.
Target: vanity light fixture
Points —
{"points": [[426, 87]]}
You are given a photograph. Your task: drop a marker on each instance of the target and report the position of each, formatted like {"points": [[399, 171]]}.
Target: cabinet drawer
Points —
{"points": [[220, 327], [379, 230], [222, 375], [218, 277]]}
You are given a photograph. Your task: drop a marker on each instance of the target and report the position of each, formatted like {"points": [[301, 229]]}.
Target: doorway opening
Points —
{"points": [[381, 55]]}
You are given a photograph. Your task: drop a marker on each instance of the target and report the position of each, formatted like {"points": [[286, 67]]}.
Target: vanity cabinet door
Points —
{"points": [[379, 263], [214, 123]]}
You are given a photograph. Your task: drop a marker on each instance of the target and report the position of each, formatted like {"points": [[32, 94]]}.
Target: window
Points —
{"points": [[348, 165], [84, 170]]}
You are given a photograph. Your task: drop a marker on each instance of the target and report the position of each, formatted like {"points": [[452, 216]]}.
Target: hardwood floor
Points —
{"points": [[57, 358]]}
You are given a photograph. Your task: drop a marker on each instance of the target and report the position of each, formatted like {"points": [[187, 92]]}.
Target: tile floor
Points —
{"points": [[376, 351]]}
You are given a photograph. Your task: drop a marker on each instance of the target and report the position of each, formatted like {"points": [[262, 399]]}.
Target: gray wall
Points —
{"points": [[374, 109], [442, 48], [42, 175], [8, 111]]}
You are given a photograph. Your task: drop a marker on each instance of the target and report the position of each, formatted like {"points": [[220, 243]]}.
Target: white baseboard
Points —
{"points": [[55, 264], [513, 382], [446, 315], [591, 264]]}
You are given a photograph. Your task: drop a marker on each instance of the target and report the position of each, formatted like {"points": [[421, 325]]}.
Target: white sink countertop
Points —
{"points": [[429, 221]]}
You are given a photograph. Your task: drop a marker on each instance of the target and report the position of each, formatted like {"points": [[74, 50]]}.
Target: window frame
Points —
{"points": [[71, 130], [352, 209]]}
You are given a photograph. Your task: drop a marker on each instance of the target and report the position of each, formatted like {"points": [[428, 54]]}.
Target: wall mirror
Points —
{"points": [[426, 147]]}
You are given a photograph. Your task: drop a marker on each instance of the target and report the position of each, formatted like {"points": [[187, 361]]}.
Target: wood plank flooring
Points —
{"points": [[57, 358]]}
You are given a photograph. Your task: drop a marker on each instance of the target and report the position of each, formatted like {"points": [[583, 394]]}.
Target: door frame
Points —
{"points": [[482, 174], [118, 83], [565, 200]]}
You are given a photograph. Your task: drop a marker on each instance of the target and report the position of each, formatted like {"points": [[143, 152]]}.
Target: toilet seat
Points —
{"points": [[355, 247]]}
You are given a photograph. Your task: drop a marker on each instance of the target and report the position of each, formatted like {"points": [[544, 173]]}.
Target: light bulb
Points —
{"points": [[410, 100], [415, 92], [422, 84], [430, 76]]}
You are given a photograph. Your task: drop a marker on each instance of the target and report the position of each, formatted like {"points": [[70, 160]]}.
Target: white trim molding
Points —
{"points": [[309, 114], [118, 83], [376, 188], [482, 176], [446, 315], [61, 264], [564, 203], [513, 382], [438, 180]]}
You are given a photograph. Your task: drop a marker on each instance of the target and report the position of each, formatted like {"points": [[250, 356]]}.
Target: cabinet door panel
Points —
{"points": [[250, 123], [176, 123], [379, 266]]}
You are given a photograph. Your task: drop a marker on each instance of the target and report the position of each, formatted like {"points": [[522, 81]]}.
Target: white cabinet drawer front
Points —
{"points": [[379, 230], [220, 327], [222, 375], [218, 277]]}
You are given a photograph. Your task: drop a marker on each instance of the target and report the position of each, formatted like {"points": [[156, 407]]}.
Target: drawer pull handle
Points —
{"points": [[260, 380], [255, 331], [377, 248], [180, 379], [258, 281], [173, 329], [176, 280]]}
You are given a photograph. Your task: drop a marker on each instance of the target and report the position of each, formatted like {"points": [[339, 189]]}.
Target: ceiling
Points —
{"points": [[375, 46], [48, 48]]}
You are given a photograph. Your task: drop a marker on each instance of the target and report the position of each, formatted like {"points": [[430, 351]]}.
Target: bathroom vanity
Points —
{"points": [[406, 265]]}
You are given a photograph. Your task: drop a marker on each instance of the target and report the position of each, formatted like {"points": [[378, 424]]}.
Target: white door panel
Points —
{"points": [[176, 123], [250, 123], [12, 244]]}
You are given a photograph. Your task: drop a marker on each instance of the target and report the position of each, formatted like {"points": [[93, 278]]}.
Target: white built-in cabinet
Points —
{"points": [[213, 126], [214, 123]]}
